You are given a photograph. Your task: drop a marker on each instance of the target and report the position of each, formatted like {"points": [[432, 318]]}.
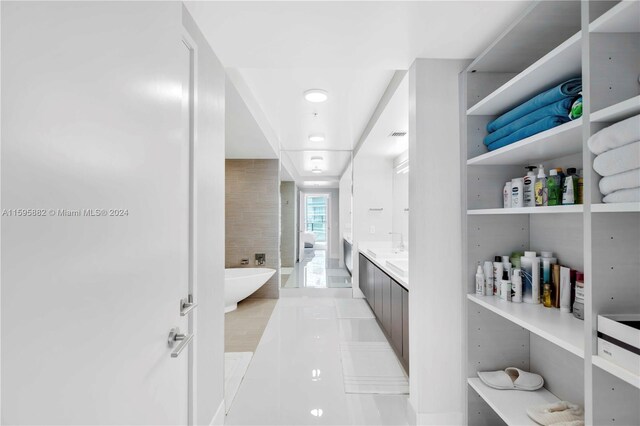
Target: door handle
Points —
{"points": [[187, 305], [175, 336]]}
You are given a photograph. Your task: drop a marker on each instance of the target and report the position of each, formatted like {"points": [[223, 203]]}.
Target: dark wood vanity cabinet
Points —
{"points": [[389, 302]]}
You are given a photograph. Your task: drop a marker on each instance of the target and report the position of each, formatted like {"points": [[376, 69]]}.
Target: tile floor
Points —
{"points": [[243, 327], [296, 378], [316, 270]]}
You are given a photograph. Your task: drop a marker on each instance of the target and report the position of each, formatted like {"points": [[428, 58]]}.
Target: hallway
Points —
{"points": [[316, 270], [296, 375]]}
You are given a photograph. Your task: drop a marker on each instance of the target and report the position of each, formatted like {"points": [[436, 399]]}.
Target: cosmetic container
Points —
{"points": [[480, 283], [516, 192], [516, 286], [528, 190], [530, 266], [488, 276]]}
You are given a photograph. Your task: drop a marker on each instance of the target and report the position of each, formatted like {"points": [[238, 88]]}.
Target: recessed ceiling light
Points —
{"points": [[316, 95], [316, 137], [317, 158], [316, 170]]}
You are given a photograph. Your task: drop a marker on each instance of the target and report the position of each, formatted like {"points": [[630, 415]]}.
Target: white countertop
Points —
{"points": [[381, 262]]}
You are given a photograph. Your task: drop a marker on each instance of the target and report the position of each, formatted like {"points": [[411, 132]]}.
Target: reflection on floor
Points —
{"points": [[296, 375], [243, 327], [318, 271]]}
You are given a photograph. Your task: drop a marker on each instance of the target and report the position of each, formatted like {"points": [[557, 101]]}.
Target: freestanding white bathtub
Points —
{"points": [[240, 283]]}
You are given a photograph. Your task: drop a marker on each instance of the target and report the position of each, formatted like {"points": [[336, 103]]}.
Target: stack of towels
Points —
{"points": [[543, 112], [617, 150]]}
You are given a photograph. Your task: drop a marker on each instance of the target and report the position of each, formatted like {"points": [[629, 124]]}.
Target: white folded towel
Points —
{"points": [[618, 160], [623, 196], [624, 180], [619, 134]]}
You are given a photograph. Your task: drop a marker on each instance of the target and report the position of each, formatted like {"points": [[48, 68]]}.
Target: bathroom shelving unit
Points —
{"points": [[551, 42]]}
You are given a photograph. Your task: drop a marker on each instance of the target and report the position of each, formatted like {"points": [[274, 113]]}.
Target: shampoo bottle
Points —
{"points": [[506, 195], [516, 286], [480, 281], [530, 266], [505, 287], [570, 185], [528, 190], [497, 274], [516, 192], [554, 188], [488, 275], [541, 190]]}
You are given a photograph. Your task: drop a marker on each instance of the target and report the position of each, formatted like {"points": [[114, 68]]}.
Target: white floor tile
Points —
{"points": [[235, 367], [353, 308], [372, 367], [296, 375], [360, 330]]}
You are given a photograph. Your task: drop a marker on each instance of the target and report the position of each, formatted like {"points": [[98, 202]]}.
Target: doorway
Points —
{"points": [[316, 220]]}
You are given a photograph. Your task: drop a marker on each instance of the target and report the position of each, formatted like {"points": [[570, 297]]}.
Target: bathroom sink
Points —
{"points": [[399, 266]]}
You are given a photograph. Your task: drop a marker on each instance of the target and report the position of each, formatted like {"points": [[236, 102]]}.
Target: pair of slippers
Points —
{"points": [[511, 378]]}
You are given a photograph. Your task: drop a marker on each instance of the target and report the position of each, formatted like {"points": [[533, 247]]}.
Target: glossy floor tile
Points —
{"points": [[243, 327], [235, 367], [316, 270], [296, 374]]}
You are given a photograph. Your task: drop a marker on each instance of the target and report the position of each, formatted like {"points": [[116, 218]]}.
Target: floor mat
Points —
{"points": [[372, 367], [353, 308], [235, 367]]}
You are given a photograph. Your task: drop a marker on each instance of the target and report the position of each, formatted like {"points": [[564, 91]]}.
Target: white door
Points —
{"points": [[92, 121]]}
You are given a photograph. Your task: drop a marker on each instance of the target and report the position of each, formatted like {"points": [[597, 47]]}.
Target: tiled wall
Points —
{"points": [[288, 223], [253, 217]]}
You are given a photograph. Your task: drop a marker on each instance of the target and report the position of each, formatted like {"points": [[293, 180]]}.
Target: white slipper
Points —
{"points": [[511, 378], [557, 413]]}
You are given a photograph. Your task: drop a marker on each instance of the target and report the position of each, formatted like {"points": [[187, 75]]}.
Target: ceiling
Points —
{"points": [[350, 49]]}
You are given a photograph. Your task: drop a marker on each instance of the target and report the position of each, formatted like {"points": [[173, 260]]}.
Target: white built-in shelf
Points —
{"points": [[560, 328], [619, 372], [621, 18], [619, 111], [560, 141], [616, 208], [560, 64], [511, 405], [528, 210]]}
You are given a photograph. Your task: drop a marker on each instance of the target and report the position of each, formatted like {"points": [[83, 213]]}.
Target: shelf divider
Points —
{"points": [[617, 112], [616, 370]]}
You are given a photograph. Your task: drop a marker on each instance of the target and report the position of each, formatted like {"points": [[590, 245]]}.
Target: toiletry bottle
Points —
{"points": [[556, 291], [580, 191], [530, 267], [506, 265], [515, 259], [566, 291], [516, 192], [569, 187], [506, 195], [528, 189], [505, 287], [479, 281], [546, 295], [488, 275], [541, 188], [516, 286], [497, 273], [554, 188]]}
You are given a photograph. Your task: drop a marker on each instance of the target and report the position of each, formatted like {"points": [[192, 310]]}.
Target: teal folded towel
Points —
{"points": [[530, 130], [569, 89], [561, 108]]}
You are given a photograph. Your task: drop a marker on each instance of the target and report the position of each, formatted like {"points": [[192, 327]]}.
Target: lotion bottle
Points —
{"points": [[505, 287], [488, 274], [498, 268], [516, 286], [528, 191], [516, 192], [506, 195], [480, 284]]}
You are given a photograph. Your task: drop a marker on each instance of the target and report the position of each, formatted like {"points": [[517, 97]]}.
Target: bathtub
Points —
{"points": [[240, 283]]}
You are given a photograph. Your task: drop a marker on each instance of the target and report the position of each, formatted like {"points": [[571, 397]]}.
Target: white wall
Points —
{"points": [[436, 302], [209, 184], [401, 201], [346, 207]]}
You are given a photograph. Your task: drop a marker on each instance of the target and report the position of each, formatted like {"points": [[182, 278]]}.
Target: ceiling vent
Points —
{"points": [[398, 134]]}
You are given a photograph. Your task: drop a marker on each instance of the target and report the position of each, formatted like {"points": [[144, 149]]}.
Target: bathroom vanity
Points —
{"points": [[387, 294]]}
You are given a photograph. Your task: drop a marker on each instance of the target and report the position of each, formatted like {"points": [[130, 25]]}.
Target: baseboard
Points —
{"points": [[218, 418]]}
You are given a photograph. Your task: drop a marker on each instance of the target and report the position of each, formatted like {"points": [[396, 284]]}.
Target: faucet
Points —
{"points": [[261, 259], [401, 246]]}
